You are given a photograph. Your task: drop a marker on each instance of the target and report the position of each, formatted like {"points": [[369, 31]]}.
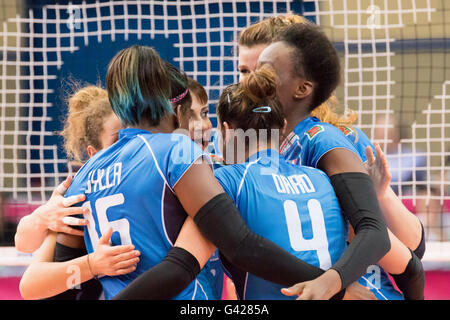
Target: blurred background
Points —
{"points": [[396, 75]]}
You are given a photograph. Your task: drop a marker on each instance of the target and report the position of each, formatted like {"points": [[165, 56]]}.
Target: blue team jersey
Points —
{"points": [[359, 140], [311, 140], [129, 187], [293, 206], [307, 144]]}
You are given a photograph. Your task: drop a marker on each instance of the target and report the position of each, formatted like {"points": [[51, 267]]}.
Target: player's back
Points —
{"points": [[293, 206], [129, 188]]}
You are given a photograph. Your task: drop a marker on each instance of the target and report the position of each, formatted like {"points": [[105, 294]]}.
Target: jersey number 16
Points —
{"points": [[122, 226]]}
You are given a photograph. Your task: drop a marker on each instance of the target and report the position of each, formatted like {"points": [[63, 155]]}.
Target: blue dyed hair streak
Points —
{"points": [[138, 86]]}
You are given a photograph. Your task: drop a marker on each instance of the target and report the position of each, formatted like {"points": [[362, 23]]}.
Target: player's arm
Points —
{"points": [[176, 271], [51, 216], [45, 278], [220, 221], [403, 223], [357, 198], [372, 241]]}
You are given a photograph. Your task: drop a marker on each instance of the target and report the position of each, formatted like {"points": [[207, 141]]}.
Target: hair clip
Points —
{"points": [[228, 97], [179, 97], [264, 109]]}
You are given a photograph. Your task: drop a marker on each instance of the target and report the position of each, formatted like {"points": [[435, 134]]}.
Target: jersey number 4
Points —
{"points": [[122, 226], [319, 241]]}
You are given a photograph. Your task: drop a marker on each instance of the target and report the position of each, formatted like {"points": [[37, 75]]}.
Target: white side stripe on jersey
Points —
{"points": [[374, 287], [243, 176], [164, 187], [162, 215], [245, 285], [203, 290], [156, 162]]}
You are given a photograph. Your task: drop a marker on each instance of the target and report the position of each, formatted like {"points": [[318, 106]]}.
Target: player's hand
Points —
{"points": [[356, 291], [321, 288], [378, 169], [55, 214], [113, 260]]}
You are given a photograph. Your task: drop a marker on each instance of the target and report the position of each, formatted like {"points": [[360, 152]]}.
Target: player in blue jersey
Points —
{"points": [[404, 224], [189, 101], [303, 85], [147, 183], [294, 206], [88, 106], [192, 111], [61, 269]]}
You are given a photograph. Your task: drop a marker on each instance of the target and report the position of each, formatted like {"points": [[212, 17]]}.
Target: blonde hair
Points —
{"points": [[264, 32], [87, 108]]}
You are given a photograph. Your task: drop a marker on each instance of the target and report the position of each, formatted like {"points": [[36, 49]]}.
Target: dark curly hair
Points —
{"points": [[315, 59]]}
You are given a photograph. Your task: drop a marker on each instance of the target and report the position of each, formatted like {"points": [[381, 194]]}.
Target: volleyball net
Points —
{"points": [[396, 76]]}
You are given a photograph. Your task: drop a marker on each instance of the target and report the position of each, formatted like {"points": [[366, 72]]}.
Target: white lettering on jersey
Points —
{"points": [[99, 180], [295, 184]]}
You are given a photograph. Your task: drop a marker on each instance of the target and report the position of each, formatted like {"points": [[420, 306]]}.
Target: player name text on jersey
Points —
{"points": [[295, 184], [102, 179]]}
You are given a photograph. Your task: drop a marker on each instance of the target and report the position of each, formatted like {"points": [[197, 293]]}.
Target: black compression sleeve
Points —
{"points": [[359, 203], [165, 280], [220, 221], [420, 250], [412, 281]]}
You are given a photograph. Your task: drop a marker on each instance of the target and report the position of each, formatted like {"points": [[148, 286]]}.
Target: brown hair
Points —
{"points": [[264, 32], [88, 107], [238, 102], [198, 90]]}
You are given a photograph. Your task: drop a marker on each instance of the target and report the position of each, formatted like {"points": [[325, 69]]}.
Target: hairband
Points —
{"points": [[179, 97], [264, 109]]}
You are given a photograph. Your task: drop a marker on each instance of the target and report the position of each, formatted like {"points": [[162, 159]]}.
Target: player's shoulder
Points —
{"points": [[302, 169], [232, 171], [176, 145], [323, 136], [165, 139], [315, 129]]}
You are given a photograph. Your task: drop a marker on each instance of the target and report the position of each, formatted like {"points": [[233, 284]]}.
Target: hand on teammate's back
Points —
{"points": [[321, 288], [112, 260], [318, 289], [55, 214], [356, 291]]}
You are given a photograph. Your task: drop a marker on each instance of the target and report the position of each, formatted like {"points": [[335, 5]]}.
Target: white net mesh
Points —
{"points": [[393, 57]]}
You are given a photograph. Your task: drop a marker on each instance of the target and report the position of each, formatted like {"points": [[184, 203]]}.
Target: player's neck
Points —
{"points": [[295, 115], [259, 147], [166, 125]]}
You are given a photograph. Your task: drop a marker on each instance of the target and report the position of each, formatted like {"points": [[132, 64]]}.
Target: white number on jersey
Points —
{"points": [[122, 226], [319, 241]]}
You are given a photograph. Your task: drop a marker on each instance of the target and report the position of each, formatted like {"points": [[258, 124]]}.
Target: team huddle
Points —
{"points": [[286, 199]]}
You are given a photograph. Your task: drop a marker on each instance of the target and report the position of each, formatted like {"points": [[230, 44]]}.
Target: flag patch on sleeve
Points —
{"points": [[314, 131], [346, 130]]}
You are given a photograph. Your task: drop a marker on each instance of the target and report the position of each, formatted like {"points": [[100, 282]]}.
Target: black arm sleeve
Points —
{"points": [[412, 281], [220, 221], [359, 203], [165, 280], [420, 250]]}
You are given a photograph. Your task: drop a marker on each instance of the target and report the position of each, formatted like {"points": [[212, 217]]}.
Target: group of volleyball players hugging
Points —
{"points": [[291, 201]]}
